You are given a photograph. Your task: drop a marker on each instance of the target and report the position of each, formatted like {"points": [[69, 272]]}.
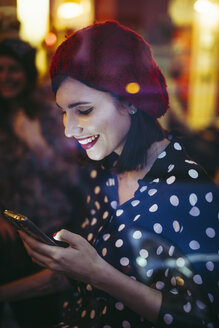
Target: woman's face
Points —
{"points": [[12, 78], [92, 118]]}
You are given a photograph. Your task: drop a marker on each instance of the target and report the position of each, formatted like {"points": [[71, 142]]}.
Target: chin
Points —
{"points": [[96, 156]]}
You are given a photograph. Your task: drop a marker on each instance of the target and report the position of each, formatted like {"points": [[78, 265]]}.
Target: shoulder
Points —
{"points": [[174, 161]]}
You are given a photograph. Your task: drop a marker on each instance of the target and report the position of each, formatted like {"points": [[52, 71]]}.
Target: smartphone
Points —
{"points": [[21, 222]]}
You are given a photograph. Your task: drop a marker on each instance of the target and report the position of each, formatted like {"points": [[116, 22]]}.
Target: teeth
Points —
{"points": [[88, 140]]}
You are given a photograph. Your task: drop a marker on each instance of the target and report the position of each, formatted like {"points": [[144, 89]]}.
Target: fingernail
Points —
{"points": [[55, 236]]}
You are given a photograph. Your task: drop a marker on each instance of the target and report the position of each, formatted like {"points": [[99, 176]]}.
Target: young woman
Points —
{"points": [[147, 253]]}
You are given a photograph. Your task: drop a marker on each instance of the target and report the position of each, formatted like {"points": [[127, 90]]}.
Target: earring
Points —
{"points": [[132, 110]]}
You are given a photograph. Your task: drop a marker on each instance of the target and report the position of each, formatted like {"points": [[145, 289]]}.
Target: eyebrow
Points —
{"points": [[75, 104]]}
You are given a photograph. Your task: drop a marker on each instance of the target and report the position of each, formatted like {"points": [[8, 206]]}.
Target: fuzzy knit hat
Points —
{"points": [[111, 57]]}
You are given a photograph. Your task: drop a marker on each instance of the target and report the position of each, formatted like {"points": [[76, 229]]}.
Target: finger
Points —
{"points": [[39, 263], [37, 246], [42, 260], [28, 249], [66, 236], [25, 237]]}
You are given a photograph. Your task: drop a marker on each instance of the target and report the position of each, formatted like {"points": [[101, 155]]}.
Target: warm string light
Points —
{"points": [[208, 11], [34, 18], [69, 10]]}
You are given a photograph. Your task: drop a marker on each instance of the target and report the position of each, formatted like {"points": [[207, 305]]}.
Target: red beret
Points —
{"points": [[109, 56]]}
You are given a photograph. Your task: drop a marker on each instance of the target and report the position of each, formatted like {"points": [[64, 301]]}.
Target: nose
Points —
{"points": [[72, 125]]}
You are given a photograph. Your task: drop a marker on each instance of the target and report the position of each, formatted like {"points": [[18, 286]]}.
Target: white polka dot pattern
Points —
{"points": [[197, 279], [150, 272], [119, 212], [119, 243], [153, 208], [170, 168], [160, 285], [135, 202], [194, 211], [176, 226], [210, 265], [121, 227], [193, 174], [210, 232], [126, 324], [106, 236], [159, 250], [171, 250], [194, 244], [152, 192], [162, 155], [97, 190], [124, 261], [143, 253], [209, 197], [187, 307], [144, 188], [193, 199], [114, 204], [119, 306], [137, 234], [158, 228], [93, 174], [171, 180], [174, 200], [176, 213], [177, 146], [136, 217], [168, 318]]}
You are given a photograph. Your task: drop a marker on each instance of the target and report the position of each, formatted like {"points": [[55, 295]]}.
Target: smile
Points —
{"points": [[89, 142]]}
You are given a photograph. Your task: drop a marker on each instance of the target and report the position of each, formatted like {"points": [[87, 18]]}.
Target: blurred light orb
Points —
{"points": [[50, 39], [132, 87], [69, 10], [142, 262], [203, 6]]}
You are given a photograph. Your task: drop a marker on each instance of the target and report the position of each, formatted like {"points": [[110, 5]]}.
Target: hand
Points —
{"points": [[7, 232], [79, 261]]}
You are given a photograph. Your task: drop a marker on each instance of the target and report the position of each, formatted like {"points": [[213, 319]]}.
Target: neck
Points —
{"points": [[153, 152], [155, 149]]}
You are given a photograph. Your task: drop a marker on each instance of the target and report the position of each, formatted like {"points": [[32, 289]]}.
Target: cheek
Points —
{"points": [[116, 129]]}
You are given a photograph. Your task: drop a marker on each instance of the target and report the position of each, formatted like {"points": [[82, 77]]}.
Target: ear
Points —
{"points": [[132, 109]]}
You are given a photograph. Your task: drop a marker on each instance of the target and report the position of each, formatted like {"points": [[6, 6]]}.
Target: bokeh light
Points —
{"points": [[132, 87]]}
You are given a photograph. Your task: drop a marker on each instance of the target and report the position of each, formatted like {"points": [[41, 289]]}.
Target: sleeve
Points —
{"points": [[184, 300], [193, 212]]}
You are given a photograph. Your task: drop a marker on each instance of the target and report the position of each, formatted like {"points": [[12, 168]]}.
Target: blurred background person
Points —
{"points": [[36, 177]]}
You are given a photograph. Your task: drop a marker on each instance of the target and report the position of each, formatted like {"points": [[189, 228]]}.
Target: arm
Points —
{"points": [[41, 283], [81, 262], [144, 300]]}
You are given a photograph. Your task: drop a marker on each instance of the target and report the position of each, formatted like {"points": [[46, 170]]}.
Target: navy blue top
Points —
{"points": [[166, 237]]}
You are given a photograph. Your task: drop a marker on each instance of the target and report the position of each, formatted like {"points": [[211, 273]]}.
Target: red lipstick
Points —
{"points": [[88, 142]]}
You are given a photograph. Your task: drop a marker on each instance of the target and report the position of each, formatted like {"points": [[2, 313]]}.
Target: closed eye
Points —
{"points": [[85, 112]]}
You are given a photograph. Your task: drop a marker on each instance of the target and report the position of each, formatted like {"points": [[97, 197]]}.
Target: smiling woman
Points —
{"points": [[92, 118], [146, 255]]}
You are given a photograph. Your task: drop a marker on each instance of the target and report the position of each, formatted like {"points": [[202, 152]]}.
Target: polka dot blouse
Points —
{"points": [[166, 237]]}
